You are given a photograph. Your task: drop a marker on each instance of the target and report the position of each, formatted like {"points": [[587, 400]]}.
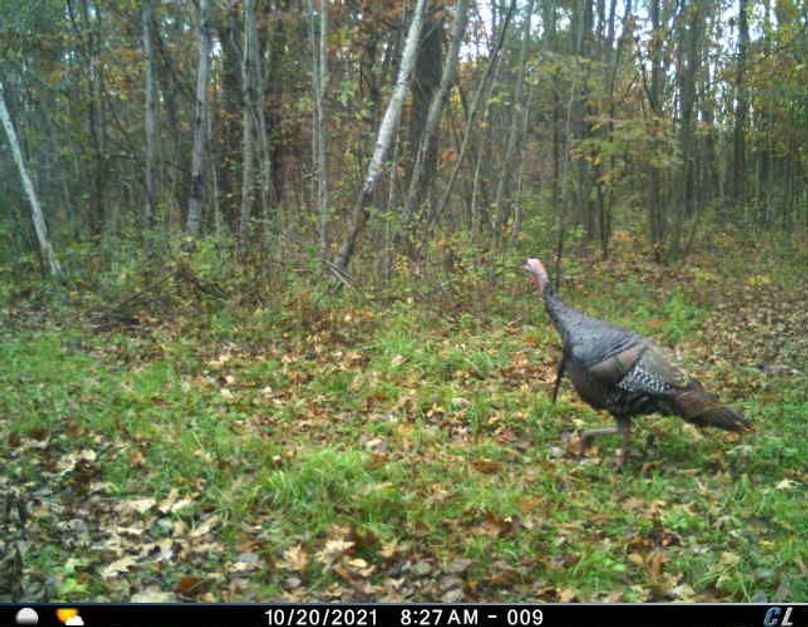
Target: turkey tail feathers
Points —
{"points": [[697, 406], [722, 417]]}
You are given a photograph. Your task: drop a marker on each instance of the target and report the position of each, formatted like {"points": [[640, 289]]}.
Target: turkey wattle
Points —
{"points": [[624, 373]]}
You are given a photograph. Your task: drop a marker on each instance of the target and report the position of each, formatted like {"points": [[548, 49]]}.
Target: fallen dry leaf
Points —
{"points": [[191, 585], [294, 558], [167, 503], [152, 595], [117, 567], [140, 506], [206, 527], [333, 550]]}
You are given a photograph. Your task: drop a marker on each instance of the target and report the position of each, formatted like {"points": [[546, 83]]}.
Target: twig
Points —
{"points": [[341, 275], [157, 282]]}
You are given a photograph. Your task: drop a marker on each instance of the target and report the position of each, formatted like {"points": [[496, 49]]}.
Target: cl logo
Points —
{"points": [[773, 619]]}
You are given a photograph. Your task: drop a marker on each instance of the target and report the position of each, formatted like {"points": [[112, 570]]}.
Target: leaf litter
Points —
{"points": [[547, 543]]}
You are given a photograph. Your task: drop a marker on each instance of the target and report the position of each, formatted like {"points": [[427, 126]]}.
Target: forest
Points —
{"points": [[266, 332]]}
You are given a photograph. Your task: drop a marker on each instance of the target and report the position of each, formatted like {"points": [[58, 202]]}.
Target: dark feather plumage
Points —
{"points": [[626, 374]]}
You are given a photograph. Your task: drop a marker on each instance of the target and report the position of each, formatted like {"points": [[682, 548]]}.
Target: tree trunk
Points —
{"points": [[500, 214], [230, 136], [258, 95], [549, 20], [46, 250], [425, 83], [97, 124], [582, 33], [387, 131], [247, 121], [741, 105], [151, 114], [427, 146], [516, 227], [322, 154], [273, 85], [95, 120], [689, 38], [656, 211], [175, 196], [711, 181], [613, 58], [200, 115], [319, 76], [472, 114]]}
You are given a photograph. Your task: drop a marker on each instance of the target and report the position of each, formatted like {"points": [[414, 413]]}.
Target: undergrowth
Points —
{"points": [[275, 441]]}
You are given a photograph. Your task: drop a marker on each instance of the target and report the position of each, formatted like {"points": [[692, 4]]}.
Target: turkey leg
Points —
{"points": [[586, 436], [623, 428], [559, 375]]}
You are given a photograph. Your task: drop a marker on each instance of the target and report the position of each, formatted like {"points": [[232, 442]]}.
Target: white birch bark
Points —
{"points": [[384, 140], [38, 218]]}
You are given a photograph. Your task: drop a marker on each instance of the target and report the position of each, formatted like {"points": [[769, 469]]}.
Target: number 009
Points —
{"points": [[525, 616]]}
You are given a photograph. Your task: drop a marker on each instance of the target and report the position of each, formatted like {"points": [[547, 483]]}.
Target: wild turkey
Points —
{"points": [[624, 373]]}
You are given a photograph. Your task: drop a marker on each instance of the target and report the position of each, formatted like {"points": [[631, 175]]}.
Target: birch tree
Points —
{"points": [[200, 116], [37, 217], [387, 131]]}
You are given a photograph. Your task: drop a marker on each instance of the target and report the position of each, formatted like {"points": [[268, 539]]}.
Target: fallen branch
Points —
{"points": [[153, 293]]}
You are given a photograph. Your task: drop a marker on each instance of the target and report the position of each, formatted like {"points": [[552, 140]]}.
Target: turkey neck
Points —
{"points": [[560, 313]]}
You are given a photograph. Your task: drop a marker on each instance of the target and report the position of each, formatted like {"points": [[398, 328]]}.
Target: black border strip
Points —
{"points": [[415, 615]]}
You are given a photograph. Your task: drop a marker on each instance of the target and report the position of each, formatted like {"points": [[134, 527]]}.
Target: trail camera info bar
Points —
{"points": [[405, 615]]}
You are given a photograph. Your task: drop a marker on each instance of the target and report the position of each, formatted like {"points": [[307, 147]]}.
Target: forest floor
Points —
{"points": [[403, 446]]}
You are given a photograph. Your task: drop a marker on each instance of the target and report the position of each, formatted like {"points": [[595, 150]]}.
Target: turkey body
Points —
{"points": [[618, 370]]}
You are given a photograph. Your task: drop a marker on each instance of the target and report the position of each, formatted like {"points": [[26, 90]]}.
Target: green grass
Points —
{"points": [[416, 439]]}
